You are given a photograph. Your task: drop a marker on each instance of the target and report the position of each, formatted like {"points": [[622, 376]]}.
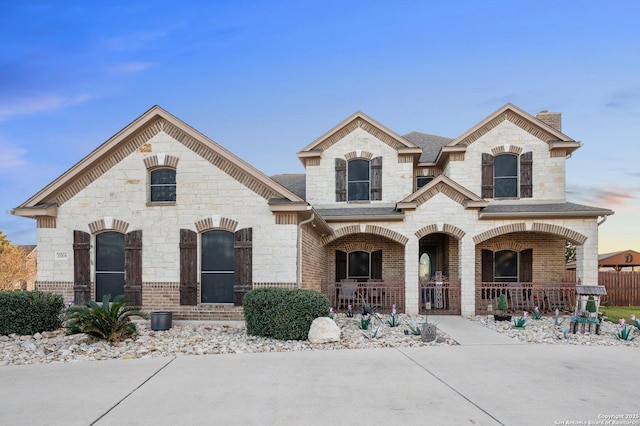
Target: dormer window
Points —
{"points": [[358, 176], [163, 185], [422, 181]]}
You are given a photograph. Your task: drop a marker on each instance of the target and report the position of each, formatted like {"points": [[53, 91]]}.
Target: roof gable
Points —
{"points": [[442, 184], [354, 121], [134, 136], [517, 116]]}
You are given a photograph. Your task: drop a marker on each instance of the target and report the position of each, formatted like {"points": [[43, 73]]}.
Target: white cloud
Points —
{"points": [[38, 103], [12, 157]]}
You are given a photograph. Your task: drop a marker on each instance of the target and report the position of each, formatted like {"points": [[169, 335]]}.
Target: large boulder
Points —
{"points": [[324, 330]]}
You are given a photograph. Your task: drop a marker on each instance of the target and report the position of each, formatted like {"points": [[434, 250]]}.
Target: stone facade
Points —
{"points": [[294, 240]]}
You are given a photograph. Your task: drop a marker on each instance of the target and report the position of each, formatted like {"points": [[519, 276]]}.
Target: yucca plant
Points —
{"points": [[111, 321]]}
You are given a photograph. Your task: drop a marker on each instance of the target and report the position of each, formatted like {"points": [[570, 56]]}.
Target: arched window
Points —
{"points": [[505, 176], [217, 266], [358, 177], [109, 264], [163, 185]]}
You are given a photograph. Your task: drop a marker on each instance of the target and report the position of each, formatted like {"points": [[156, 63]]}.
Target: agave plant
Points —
{"points": [[111, 321]]}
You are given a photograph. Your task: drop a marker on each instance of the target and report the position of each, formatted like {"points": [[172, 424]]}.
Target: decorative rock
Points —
{"points": [[28, 346], [324, 330]]}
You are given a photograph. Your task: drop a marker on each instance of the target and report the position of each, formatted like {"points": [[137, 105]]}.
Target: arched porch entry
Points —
{"points": [[438, 270], [527, 265], [365, 264]]}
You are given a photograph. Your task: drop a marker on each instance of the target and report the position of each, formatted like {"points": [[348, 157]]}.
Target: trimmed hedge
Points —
{"points": [[30, 312], [283, 314]]}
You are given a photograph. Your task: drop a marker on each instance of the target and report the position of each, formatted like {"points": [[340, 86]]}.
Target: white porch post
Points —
{"points": [[467, 275], [411, 275], [587, 259]]}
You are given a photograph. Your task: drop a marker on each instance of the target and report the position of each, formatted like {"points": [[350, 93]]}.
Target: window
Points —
{"points": [[506, 266], [217, 267], [163, 185], [359, 266], [422, 181], [109, 264], [506, 176], [358, 180]]}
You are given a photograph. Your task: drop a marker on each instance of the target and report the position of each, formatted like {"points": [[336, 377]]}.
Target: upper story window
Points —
{"points": [[359, 179], [507, 175], [163, 185], [358, 176], [422, 181]]}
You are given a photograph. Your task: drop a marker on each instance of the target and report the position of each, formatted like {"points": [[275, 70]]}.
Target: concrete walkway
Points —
{"points": [[485, 381]]}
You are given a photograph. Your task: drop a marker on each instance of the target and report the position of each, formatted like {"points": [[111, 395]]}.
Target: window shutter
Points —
{"points": [[341, 265], [188, 267], [526, 266], [133, 267], [243, 258], [376, 265], [376, 178], [341, 179], [487, 176], [526, 175], [81, 268], [487, 266]]}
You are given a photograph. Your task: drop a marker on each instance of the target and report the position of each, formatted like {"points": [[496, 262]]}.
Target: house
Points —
{"points": [[168, 217]]}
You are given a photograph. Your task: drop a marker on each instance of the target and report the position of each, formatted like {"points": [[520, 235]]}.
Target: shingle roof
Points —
{"points": [[295, 183], [352, 213], [562, 209], [430, 144]]}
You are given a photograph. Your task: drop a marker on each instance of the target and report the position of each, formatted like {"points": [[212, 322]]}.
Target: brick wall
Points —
{"points": [[548, 253], [314, 259]]}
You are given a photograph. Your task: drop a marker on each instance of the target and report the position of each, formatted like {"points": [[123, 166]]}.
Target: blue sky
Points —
{"points": [[266, 78]]}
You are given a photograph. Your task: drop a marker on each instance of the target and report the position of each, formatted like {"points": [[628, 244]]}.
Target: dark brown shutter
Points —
{"points": [[341, 265], [133, 267], [341, 179], [188, 267], [487, 176], [487, 266], [526, 175], [376, 178], [376, 265], [243, 258], [81, 268], [526, 266]]}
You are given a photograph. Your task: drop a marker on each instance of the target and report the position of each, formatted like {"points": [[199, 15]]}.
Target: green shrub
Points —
{"points": [[591, 305], [30, 312], [502, 303], [283, 314], [111, 321]]}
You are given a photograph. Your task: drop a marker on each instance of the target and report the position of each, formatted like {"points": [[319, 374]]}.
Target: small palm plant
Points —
{"points": [[111, 321]]}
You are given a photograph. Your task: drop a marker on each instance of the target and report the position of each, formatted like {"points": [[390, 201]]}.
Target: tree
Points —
{"points": [[15, 268], [569, 252]]}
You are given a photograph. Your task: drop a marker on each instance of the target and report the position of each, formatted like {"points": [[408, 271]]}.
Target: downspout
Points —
{"points": [[304, 222]]}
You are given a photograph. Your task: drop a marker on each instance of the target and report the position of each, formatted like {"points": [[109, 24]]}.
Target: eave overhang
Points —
{"points": [[50, 210], [547, 215]]}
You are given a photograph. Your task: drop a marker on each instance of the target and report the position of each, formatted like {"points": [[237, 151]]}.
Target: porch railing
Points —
{"points": [[526, 296], [440, 297], [382, 294]]}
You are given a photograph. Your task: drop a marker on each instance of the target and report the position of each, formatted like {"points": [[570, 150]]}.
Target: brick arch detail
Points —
{"points": [[216, 222], [161, 160], [366, 229], [500, 230], [571, 235], [507, 245], [108, 224], [360, 247], [363, 154], [447, 228], [504, 149]]}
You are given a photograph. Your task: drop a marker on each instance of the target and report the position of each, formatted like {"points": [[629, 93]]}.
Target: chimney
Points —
{"points": [[553, 119]]}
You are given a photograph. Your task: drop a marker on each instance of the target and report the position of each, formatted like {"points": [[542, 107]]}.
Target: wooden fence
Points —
{"points": [[623, 288]]}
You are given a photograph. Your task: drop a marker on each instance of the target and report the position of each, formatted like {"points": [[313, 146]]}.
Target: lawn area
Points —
{"points": [[614, 313]]}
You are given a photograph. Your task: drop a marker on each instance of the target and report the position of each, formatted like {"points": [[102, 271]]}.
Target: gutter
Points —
{"points": [[299, 247]]}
